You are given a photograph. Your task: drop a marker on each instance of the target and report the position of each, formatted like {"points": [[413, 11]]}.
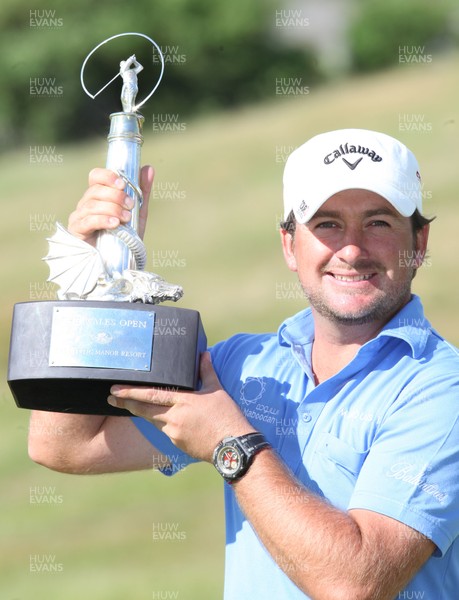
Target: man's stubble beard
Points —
{"points": [[381, 309]]}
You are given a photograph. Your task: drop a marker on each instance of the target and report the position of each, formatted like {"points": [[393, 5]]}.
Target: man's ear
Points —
{"points": [[288, 246], [422, 237]]}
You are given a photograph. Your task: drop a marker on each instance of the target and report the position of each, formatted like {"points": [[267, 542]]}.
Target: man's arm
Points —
{"points": [[89, 444], [328, 553], [93, 443]]}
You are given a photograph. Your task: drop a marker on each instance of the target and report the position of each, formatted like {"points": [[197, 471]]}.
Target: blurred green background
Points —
{"points": [[251, 83]]}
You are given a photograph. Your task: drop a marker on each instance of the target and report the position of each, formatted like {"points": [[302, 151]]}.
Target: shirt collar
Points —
{"points": [[298, 329], [409, 324]]}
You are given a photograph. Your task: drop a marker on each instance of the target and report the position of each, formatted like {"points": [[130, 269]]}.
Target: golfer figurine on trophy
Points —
{"points": [[65, 355]]}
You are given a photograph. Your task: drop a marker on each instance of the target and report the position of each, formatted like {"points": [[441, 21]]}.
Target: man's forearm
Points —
{"points": [[322, 550], [57, 440]]}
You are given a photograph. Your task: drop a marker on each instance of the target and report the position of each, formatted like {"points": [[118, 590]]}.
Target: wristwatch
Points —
{"points": [[234, 455]]}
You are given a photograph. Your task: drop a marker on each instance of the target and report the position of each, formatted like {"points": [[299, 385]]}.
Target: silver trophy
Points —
{"points": [[114, 270], [65, 354]]}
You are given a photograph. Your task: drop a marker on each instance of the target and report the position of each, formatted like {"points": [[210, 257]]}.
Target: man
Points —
{"points": [[341, 462]]}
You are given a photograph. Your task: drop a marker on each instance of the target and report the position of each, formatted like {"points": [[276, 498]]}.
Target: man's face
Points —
{"points": [[355, 258]]}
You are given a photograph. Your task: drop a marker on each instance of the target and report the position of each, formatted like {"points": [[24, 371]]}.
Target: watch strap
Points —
{"points": [[252, 443]]}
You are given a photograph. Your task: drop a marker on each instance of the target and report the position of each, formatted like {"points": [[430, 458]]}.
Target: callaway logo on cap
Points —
{"points": [[351, 159]]}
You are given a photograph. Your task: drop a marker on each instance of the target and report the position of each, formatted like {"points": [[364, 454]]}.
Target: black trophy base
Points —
{"points": [[65, 355]]}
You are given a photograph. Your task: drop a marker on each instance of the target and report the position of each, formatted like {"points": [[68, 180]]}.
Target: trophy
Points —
{"points": [[106, 326]]}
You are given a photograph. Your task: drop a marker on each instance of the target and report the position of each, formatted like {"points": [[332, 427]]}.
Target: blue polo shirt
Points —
{"points": [[382, 435]]}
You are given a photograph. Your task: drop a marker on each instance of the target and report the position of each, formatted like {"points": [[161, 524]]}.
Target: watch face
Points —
{"points": [[228, 460]]}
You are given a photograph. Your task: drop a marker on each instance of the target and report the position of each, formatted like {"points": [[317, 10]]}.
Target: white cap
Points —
{"points": [[351, 159]]}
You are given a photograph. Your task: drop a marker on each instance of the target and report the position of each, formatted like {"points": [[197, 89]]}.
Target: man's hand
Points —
{"points": [[104, 205], [195, 421]]}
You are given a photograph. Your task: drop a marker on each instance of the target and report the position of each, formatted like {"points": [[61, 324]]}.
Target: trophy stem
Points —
{"points": [[123, 156]]}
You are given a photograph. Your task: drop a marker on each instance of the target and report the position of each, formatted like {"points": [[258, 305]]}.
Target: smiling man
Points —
{"points": [[337, 436]]}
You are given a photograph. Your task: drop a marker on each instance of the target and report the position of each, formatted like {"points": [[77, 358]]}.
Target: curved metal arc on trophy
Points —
{"points": [[114, 269]]}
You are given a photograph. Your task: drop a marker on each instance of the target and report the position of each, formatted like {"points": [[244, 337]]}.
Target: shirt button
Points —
{"points": [[306, 417]]}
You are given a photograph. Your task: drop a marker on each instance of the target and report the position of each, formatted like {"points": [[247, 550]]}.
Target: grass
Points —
{"points": [[223, 234]]}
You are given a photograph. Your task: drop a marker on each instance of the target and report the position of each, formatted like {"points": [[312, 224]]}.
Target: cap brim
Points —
{"points": [[402, 204]]}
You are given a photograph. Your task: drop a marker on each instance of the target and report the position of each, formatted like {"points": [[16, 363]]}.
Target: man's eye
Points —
{"points": [[379, 223], [326, 225]]}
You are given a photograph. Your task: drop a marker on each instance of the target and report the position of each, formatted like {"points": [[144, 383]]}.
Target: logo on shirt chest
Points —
{"points": [[354, 414], [256, 403], [252, 390]]}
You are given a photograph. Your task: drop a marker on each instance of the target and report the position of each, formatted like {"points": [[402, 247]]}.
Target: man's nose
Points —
{"points": [[352, 246]]}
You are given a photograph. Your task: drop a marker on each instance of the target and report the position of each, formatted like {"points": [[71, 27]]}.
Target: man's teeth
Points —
{"points": [[352, 277]]}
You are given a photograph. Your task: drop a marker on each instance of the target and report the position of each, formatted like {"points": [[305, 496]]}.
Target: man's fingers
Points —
{"points": [[155, 396], [93, 214], [147, 175], [98, 193], [83, 228], [104, 205], [208, 376], [105, 177], [148, 411]]}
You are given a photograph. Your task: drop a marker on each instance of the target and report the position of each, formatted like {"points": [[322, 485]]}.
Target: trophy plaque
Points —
{"points": [[106, 326]]}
